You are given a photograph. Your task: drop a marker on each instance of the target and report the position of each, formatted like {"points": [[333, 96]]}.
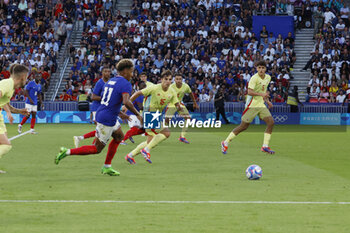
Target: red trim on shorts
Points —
{"points": [[245, 110]]}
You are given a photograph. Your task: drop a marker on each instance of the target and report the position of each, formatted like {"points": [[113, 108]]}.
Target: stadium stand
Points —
{"points": [[329, 61], [211, 42], [213, 45], [32, 34]]}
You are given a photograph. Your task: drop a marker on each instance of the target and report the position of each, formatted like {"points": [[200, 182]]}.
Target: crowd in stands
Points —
{"points": [[31, 33], [210, 42], [330, 58]]}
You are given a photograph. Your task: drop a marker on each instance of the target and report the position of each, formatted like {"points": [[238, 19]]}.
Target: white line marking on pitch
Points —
{"points": [[180, 202]]}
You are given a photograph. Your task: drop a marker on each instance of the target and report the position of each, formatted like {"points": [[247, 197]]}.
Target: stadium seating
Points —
{"points": [[32, 34], [221, 52], [330, 56]]}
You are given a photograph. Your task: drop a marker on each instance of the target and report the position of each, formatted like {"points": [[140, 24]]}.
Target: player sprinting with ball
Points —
{"points": [[255, 105]]}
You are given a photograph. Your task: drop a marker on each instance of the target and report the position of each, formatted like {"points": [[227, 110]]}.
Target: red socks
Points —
{"points": [[133, 131], [24, 120], [32, 123], [112, 149], [84, 150], [90, 134]]}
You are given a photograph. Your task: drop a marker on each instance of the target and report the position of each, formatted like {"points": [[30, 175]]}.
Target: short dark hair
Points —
{"points": [[141, 84], [143, 73], [178, 74], [124, 64], [165, 73], [261, 63]]}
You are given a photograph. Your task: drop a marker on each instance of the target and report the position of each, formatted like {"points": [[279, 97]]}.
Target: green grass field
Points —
{"points": [[311, 165]]}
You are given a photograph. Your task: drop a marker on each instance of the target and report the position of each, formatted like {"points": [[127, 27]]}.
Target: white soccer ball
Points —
{"points": [[253, 172]]}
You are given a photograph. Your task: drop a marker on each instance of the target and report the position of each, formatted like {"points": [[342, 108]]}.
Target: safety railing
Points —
{"points": [[65, 58], [208, 107]]}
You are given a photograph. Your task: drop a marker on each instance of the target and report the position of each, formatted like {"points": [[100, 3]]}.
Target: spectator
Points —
{"points": [[64, 96], [203, 97], [341, 97]]}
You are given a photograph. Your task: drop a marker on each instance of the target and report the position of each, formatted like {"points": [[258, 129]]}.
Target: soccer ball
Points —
{"points": [[253, 172]]}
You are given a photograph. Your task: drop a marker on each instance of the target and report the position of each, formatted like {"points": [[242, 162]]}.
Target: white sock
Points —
{"points": [[81, 137], [108, 165], [265, 145], [130, 155], [146, 149], [68, 152]]}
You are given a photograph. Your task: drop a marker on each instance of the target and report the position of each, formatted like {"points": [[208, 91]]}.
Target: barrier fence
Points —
{"points": [[209, 107]]}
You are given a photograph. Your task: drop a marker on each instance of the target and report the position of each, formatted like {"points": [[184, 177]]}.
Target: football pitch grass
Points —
{"points": [[191, 188]]}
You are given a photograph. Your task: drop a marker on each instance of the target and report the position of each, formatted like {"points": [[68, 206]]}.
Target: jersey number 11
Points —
{"points": [[107, 93]]}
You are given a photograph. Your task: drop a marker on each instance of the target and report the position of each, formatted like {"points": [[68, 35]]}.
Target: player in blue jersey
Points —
{"points": [[135, 125], [33, 94], [115, 93], [96, 98]]}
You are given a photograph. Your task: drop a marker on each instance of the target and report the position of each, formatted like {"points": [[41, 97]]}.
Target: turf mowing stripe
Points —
{"points": [[180, 202]]}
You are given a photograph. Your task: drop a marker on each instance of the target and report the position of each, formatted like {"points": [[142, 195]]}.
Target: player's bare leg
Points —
{"points": [[5, 147], [118, 136], [242, 127], [267, 135]]}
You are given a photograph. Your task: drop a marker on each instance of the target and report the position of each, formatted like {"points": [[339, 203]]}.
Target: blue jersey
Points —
{"points": [[33, 90], [97, 91], [112, 99], [135, 103]]}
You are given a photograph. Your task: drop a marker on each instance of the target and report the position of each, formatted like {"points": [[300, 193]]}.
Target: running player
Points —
{"points": [[18, 78], [33, 93], [96, 98], [181, 89], [255, 105], [116, 91], [157, 98], [135, 125]]}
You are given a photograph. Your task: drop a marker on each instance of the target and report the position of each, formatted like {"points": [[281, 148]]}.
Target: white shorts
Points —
{"points": [[134, 121], [104, 132], [31, 108], [94, 116]]}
